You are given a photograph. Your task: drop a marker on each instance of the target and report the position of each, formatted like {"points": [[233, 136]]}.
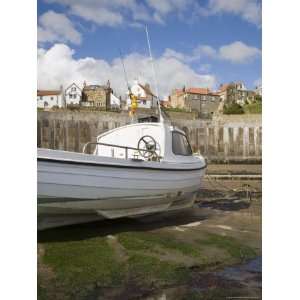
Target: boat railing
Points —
{"points": [[153, 154]]}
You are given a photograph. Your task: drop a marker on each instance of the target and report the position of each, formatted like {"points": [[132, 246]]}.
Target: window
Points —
{"points": [[180, 144], [73, 89], [51, 98], [41, 97], [74, 96]]}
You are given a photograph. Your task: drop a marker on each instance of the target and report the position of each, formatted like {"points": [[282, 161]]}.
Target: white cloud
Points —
{"points": [[57, 66], [204, 50], [249, 10], [118, 12], [107, 12], [99, 15], [164, 7], [56, 27], [170, 53], [238, 52]]}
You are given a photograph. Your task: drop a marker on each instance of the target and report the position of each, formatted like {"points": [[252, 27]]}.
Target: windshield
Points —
{"points": [[180, 144]]}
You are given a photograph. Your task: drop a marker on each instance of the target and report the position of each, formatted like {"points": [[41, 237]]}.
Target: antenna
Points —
{"points": [[154, 76]]}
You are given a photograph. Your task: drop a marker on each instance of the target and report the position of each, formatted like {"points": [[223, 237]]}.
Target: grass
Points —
{"points": [[147, 269], [253, 108], [79, 263], [141, 246], [41, 292], [154, 242], [233, 247]]}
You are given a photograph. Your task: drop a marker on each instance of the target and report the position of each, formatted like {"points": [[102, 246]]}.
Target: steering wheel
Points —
{"points": [[147, 142]]}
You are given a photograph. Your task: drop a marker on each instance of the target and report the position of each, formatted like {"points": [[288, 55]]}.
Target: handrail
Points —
{"points": [[118, 146]]}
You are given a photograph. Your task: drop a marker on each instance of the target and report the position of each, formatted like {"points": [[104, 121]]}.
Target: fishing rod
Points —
{"points": [[154, 75], [132, 97], [125, 74]]}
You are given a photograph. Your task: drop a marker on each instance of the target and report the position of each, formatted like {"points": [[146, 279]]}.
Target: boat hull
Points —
{"points": [[105, 188]]}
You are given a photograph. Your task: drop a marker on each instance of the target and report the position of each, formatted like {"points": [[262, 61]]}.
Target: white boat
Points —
{"points": [[134, 170]]}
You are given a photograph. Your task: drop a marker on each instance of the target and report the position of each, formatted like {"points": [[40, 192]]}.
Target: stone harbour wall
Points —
{"points": [[231, 138]]}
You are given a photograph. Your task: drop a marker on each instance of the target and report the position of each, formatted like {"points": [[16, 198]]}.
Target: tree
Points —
{"points": [[233, 109], [258, 98]]}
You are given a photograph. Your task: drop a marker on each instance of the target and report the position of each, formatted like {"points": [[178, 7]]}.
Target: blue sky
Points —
{"points": [[194, 43]]}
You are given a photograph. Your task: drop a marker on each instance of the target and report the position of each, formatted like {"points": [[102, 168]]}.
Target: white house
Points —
{"points": [[258, 90], [73, 94], [115, 102], [50, 98], [146, 99]]}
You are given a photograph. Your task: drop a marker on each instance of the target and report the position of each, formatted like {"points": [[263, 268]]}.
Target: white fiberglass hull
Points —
{"points": [[73, 183]]}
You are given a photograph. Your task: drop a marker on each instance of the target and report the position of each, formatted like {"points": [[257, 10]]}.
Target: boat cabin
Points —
{"points": [[145, 141]]}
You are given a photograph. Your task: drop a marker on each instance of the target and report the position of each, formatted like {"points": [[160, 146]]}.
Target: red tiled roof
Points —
{"points": [[179, 93], [202, 91], [48, 93]]}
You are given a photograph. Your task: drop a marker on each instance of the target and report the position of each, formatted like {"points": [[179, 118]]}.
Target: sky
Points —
{"points": [[194, 43]]}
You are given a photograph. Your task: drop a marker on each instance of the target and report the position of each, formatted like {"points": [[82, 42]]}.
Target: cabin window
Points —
{"points": [[180, 144]]}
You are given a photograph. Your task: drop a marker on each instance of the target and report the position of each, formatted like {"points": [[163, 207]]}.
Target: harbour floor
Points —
{"points": [[211, 251]]}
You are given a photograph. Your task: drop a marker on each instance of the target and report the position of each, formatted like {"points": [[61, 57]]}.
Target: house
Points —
{"points": [[166, 102], [50, 98], [201, 100], [223, 91], [236, 92], [145, 97], [177, 99], [258, 90], [73, 94], [96, 96]]}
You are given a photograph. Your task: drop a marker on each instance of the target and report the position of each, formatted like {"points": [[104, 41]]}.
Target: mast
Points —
{"points": [[154, 76]]}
